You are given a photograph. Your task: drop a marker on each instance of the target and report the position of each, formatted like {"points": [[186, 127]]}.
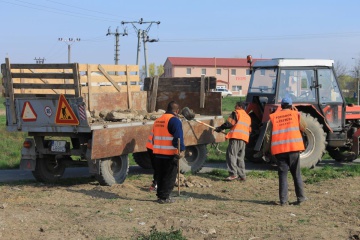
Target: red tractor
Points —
{"points": [[332, 125]]}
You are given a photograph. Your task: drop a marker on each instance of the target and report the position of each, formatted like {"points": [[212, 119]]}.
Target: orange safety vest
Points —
{"points": [[241, 129], [286, 135], [162, 139], [149, 142]]}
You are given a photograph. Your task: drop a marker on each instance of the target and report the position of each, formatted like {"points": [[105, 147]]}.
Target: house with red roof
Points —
{"points": [[232, 73]]}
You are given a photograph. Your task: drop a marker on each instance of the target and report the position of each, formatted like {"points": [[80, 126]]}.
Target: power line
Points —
{"points": [[69, 42]]}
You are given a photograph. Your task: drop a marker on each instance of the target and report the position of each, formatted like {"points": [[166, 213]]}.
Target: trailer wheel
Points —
{"points": [[195, 157], [48, 169], [143, 160], [113, 170], [314, 141], [341, 155]]}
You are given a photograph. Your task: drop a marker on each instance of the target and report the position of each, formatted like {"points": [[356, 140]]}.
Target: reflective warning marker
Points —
{"points": [[28, 114], [64, 114]]}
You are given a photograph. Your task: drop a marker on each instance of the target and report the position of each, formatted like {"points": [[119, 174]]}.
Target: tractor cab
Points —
{"points": [[314, 90], [309, 83]]}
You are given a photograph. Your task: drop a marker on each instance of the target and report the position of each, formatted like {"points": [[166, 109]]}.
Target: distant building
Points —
{"points": [[232, 73]]}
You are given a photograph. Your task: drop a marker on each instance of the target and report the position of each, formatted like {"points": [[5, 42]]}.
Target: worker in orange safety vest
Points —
{"points": [[239, 123], [286, 145]]}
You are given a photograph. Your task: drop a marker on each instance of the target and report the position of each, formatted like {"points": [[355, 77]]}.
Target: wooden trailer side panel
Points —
{"points": [[110, 142]]}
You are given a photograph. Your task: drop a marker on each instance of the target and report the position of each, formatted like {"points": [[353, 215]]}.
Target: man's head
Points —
{"points": [[173, 107], [286, 102], [239, 105]]}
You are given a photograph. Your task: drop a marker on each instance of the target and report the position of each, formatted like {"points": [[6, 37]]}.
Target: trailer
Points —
{"points": [[96, 115]]}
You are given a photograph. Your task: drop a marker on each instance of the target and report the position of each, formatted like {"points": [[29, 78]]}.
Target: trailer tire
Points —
{"points": [[194, 160], [113, 170], [341, 155], [314, 141], [143, 160], [48, 170]]}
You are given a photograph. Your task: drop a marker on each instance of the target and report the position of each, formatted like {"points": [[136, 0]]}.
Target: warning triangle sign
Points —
{"points": [[64, 113], [28, 114]]}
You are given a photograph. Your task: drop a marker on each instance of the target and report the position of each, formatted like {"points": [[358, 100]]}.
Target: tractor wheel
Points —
{"points": [[48, 169], [195, 157], [341, 155], [143, 160], [113, 170], [314, 141]]}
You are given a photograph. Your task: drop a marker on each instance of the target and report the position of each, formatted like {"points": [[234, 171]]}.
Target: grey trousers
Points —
{"points": [[235, 155], [289, 161]]}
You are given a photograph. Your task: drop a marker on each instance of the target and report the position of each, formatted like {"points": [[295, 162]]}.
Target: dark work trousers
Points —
{"points": [[166, 169], [286, 161], [152, 160]]}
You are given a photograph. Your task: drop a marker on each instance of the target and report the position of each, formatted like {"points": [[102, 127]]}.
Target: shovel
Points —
{"points": [[189, 115]]}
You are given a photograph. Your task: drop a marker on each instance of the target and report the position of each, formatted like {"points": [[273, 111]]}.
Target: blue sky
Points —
{"points": [[189, 28]]}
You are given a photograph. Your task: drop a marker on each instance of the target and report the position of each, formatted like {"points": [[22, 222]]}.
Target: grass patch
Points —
{"points": [[157, 235], [329, 172]]}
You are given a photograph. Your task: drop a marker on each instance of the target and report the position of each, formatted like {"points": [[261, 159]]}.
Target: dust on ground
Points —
{"points": [[210, 209]]}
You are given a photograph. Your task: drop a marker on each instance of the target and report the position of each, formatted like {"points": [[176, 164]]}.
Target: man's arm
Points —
{"points": [[175, 129]]}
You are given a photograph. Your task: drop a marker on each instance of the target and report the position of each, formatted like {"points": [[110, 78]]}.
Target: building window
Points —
{"points": [[233, 72], [247, 72], [203, 71], [188, 71], [262, 72], [236, 88], [218, 71]]}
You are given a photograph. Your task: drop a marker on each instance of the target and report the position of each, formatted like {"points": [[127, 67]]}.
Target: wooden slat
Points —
{"points": [[153, 94], [43, 86], [128, 88], [108, 77], [38, 95], [76, 78], [10, 90], [109, 89], [43, 75], [89, 87], [108, 68], [42, 66], [202, 92], [45, 81], [121, 78], [181, 84]]}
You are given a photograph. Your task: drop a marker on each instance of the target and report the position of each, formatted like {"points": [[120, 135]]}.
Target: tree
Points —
{"points": [[153, 70]]}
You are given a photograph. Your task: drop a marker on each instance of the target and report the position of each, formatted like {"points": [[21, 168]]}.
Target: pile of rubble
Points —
{"points": [[192, 181], [124, 116]]}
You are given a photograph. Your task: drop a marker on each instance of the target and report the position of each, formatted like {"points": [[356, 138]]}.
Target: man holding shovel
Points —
{"points": [[239, 124], [167, 131]]}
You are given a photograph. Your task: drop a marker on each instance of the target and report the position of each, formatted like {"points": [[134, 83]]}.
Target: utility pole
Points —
{"points": [[39, 60], [143, 33], [69, 42], [117, 40], [357, 77]]}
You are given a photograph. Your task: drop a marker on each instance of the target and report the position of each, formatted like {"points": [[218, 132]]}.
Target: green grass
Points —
{"points": [[11, 143], [157, 235]]}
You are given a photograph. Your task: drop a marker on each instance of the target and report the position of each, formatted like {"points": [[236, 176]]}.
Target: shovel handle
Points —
{"points": [[206, 125]]}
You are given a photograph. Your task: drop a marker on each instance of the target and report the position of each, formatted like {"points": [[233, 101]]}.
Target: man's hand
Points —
{"points": [[218, 129], [179, 156]]}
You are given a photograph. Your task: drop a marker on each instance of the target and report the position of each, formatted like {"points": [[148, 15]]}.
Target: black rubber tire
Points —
{"points": [[48, 170], [113, 170], [143, 160], [194, 160], [314, 141], [341, 155]]}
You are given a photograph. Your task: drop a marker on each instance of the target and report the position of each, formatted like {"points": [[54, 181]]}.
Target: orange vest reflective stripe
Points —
{"points": [[286, 135], [241, 129], [149, 142], [162, 138]]}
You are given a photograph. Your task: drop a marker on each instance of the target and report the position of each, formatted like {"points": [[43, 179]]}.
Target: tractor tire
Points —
{"points": [[314, 141], [341, 155], [48, 170], [113, 170], [194, 160], [143, 160]]}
